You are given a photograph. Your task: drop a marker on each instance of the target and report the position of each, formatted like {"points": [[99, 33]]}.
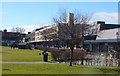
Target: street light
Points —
{"points": [[117, 34]]}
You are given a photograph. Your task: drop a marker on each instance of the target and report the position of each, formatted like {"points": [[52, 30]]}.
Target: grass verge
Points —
{"points": [[20, 55], [56, 69]]}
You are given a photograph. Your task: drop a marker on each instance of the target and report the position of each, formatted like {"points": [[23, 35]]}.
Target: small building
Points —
{"points": [[9, 38]]}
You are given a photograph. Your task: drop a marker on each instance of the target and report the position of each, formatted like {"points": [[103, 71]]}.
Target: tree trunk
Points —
{"points": [[82, 58], [71, 55], [82, 61]]}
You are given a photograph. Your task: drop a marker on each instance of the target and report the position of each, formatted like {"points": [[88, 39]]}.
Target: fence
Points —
{"points": [[100, 60]]}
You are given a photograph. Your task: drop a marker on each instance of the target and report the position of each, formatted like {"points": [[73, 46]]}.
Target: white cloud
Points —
{"points": [[28, 28], [106, 16]]}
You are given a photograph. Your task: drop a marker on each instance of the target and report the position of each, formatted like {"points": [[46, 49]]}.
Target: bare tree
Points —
{"points": [[18, 29], [71, 29]]}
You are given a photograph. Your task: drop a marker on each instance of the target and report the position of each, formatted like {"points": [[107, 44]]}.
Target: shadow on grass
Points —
{"points": [[109, 70], [6, 69]]}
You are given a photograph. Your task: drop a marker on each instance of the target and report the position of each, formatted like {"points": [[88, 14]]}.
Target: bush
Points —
{"points": [[64, 54]]}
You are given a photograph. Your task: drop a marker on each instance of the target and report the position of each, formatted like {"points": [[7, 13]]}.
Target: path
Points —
{"points": [[28, 62]]}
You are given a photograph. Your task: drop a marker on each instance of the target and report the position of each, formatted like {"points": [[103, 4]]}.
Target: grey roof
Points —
{"points": [[108, 34]]}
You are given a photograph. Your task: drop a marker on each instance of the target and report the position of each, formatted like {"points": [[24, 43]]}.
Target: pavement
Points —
{"points": [[29, 62]]}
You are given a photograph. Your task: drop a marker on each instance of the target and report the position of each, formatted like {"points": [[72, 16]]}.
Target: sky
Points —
{"points": [[31, 15]]}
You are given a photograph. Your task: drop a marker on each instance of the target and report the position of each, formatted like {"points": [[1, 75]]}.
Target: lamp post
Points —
{"points": [[117, 34]]}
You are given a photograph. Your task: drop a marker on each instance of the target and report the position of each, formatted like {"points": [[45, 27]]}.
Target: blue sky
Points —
{"points": [[37, 13]]}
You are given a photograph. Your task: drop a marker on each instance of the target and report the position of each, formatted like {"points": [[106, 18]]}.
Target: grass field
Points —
{"points": [[20, 55], [56, 69]]}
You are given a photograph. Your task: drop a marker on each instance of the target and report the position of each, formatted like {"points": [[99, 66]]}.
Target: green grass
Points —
{"points": [[56, 69], [20, 55]]}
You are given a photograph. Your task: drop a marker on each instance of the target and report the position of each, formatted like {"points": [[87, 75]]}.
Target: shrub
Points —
{"points": [[64, 54]]}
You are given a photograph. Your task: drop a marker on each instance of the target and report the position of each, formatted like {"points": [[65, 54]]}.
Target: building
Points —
{"points": [[106, 39], [37, 34], [100, 37], [9, 38]]}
